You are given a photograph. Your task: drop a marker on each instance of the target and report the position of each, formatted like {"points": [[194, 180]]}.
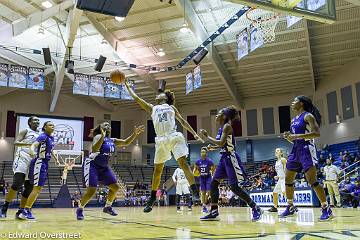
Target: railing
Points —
{"points": [[343, 171], [350, 172], [49, 188]]}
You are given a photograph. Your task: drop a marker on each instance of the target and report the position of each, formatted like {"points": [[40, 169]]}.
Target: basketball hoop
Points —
{"points": [[68, 159], [265, 22]]}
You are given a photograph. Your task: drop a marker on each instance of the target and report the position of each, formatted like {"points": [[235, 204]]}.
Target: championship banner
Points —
{"points": [[81, 84], [125, 93], [18, 76], [4, 74], [97, 86], [189, 83], [291, 20], [301, 198], [112, 90], [36, 79], [256, 40], [197, 77], [242, 41]]}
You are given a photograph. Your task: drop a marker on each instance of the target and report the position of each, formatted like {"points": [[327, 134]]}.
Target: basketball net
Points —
{"points": [[265, 22]]}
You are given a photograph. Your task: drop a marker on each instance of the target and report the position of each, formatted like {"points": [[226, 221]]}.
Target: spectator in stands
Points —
{"points": [[346, 188], [356, 194], [136, 186], [229, 196], [340, 158], [75, 199], [2, 186], [321, 160], [143, 199], [101, 196]]}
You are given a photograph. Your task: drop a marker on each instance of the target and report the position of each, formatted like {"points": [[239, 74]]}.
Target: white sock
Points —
{"points": [[108, 204]]}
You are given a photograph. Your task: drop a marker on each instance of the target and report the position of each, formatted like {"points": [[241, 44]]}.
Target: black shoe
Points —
{"points": [[17, 214], [149, 205], [3, 212], [273, 209]]}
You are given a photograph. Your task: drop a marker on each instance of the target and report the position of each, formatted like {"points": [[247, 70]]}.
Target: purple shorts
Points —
{"points": [[38, 172], [94, 173], [205, 182], [302, 157], [230, 168]]}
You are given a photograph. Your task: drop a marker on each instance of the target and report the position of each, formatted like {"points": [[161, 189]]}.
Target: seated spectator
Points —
{"points": [[101, 195], [356, 194], [75, 199], [136, 186], [229, 196], [345, 189]]}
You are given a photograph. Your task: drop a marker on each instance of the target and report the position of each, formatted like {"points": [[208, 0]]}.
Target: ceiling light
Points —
{"points": [[161, 52], [119, 19], [47, 4], [185, 28]]}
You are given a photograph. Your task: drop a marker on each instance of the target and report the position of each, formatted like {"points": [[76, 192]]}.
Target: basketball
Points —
{"points": [[117, 77]]}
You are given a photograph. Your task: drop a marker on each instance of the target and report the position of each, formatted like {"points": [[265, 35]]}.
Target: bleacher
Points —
{"points": [[352, 147]]}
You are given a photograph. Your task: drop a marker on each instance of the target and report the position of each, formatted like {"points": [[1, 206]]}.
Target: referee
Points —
{"points": [[331, 176]]}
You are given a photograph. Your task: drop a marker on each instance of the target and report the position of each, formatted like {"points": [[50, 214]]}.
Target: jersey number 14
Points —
{"points": [[162, 117]]}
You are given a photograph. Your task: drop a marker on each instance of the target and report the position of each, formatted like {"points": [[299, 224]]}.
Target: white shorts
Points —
{"points": [[21, 163], [182, 189], [280, 186], [173, 143]]}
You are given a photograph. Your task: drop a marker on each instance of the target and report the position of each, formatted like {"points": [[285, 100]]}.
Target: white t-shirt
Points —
{"points": [[331, 172]]}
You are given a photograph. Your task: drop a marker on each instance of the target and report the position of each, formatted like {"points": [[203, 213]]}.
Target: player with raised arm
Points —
{"points": [[96, 167], [304, 129], [229, 166], [167, 140], [23, 141]]}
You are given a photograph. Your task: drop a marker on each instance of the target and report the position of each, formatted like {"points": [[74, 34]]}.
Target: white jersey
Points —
{"points": [[179, 177], [279, 168], [30, 138], [22, 157], [163, 117]]}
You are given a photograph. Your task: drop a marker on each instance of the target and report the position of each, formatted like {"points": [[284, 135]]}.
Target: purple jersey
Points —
{"points": [[300, 126], [105, 152], [230, 142], [204, 166], [45, 147]]}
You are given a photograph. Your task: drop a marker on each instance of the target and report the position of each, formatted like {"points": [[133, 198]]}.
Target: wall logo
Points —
{"points": [[64, 137], [301, 198]]}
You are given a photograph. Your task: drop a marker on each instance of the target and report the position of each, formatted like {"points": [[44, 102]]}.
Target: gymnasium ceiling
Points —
{"points": [[301, 55]]}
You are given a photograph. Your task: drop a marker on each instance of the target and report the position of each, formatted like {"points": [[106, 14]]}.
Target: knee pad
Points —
{"points": [[18, 181], [27, 189], [315, 184]]}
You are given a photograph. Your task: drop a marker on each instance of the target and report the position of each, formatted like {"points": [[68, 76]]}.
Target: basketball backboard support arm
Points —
{"points": [[298, 12]]}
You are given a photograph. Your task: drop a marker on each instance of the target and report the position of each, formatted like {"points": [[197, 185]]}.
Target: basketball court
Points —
{"points": [[166, 223], [66, 61]]}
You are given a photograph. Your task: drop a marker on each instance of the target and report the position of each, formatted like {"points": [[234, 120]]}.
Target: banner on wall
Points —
{"points": [[242, 41], [301, 198], [256, 40], [68, 134], [189, 83], [4, 74], [81, 84], [291, 20], [112, 90], [36, 79], [125, 93], [197, 77], [97, 86], [18, 76]]}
